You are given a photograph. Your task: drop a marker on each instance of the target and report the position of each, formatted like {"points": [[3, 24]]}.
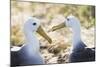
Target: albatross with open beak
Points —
{"points": [[29, 53], [80, 52]]}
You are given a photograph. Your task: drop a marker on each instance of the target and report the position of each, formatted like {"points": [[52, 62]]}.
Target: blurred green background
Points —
{"points": [[51, 14]]}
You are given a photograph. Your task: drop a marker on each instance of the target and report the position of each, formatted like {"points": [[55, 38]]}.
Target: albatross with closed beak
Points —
{"points": [[80, 52], [29, 53]]}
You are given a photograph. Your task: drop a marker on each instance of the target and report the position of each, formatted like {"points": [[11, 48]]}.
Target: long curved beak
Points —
{"points": [[54, 28], [43, 34]]}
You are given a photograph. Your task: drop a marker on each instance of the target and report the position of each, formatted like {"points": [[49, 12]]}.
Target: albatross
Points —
{"points": [[29, 53], [80, 52]]}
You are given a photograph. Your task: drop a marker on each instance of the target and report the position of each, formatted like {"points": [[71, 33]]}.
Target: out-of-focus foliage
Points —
{"points": [[50, 15]]}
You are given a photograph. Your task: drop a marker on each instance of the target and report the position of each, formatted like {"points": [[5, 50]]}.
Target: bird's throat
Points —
{"points": [[76, 38], [31, 40]]}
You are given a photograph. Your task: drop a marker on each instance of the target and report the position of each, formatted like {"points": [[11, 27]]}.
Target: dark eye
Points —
{"points": [[68, 19], [34, 23]]}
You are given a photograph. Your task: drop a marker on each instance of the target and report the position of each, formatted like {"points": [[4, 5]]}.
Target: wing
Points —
{"points": [[82, 54]]}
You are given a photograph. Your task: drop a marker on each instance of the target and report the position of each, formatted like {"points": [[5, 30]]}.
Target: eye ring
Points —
{"points": [[34, 23]]}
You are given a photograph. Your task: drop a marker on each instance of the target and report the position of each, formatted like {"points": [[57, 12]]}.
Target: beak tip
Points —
{"points": [[53, 28], [50, 41]]}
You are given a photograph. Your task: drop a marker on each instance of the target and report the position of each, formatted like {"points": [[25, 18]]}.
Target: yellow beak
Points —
{"points": [[43, 34], [54, 28]]}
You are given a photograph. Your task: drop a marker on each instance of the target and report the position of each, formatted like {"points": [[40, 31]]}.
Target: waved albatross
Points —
{"points": [[29, 53], [80, 52]]}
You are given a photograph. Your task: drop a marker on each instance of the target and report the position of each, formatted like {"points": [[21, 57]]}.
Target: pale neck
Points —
{"points": [[31, 42], [76, 36], [30, 37]]}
